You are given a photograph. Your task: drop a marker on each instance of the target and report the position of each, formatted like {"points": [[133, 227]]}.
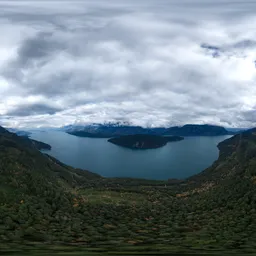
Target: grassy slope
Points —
{"points": [[48, 204]]}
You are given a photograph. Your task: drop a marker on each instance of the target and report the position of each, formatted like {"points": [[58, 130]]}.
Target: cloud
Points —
{"points": [[33, 109], [151, 62]]}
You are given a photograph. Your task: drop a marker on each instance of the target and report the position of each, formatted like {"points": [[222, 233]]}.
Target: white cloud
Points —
{"points": [[142, 61]]}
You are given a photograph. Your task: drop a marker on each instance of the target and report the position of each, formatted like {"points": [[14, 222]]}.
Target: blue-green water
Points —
{"points": [[175, 160]]}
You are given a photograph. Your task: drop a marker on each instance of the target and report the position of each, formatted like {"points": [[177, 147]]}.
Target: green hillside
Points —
{"points": [[46, 206]]}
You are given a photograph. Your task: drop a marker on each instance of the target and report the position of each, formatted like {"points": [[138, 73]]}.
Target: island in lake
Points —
{"points": [[143, 141]]}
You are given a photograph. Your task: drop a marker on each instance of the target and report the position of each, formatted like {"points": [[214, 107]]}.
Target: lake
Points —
{"points": [[175, 160]]}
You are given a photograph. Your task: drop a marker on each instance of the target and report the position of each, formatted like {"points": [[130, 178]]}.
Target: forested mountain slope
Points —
{"points": [[44, 203]]}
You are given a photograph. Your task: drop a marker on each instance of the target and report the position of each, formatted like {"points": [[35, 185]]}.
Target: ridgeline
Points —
{"points": [[116, 130]]}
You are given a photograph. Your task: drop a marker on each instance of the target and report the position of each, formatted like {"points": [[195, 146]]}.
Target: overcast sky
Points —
{"points": [[149, 62]]}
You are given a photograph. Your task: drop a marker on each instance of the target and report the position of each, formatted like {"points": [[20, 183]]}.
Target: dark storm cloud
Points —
{"points": [[235, 49], [34, 51], [40, 47], [33, 109], [248, 116]]}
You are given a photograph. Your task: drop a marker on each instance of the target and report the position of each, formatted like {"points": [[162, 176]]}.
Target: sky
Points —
{"points": [[146, 62]]}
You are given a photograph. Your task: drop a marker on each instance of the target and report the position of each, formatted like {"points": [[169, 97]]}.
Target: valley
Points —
{"points": [[45, 202]]}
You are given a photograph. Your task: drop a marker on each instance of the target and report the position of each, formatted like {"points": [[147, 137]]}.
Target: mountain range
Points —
{"points": [[51, 208], [113, 130]]}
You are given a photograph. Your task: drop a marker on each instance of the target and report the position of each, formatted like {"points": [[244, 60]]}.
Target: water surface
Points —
{"points": [[175, 160]]}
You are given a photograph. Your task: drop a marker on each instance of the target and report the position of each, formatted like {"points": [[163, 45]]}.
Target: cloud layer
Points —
{"points": [[149, 62]]}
